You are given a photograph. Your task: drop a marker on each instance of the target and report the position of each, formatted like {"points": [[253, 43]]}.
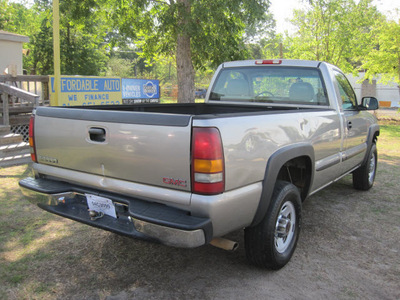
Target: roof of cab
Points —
{"points": [[272, 62]]}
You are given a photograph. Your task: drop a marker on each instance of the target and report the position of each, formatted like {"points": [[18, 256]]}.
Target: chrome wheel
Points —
{"points": [[285, 227], [271, 243], [372, 169]]}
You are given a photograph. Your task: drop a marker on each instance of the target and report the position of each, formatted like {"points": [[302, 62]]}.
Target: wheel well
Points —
{"points": [[375, 138], [298, 171]]}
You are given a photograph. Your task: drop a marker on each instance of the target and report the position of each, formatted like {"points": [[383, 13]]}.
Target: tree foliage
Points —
{"points": [[334, 31], [180, 41], [82, 34], [18, 18], [15, 17], [384, 59], [82, 38], [197, 33]]}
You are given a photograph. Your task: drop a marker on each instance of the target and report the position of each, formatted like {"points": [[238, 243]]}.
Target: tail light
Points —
{"points": [[32, 138], [207, 161]]}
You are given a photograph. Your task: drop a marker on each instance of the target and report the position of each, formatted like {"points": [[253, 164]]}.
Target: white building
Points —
{"points": [[11, 52], [388, 95]]}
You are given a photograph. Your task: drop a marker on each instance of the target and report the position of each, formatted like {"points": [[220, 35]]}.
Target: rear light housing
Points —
{"points": [[32, 138], [269, 62], [208, 167]]}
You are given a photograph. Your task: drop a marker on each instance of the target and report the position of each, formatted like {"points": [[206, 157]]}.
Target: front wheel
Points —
{"points": [[271, 243], [364, 176]]}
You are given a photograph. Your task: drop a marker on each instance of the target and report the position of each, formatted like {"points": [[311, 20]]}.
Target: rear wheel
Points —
{"points": [[364, 176], [271, 243]]}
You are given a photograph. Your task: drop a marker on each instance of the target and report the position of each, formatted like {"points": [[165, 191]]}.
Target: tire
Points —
{"points": [[364, 176], [271, 243]]}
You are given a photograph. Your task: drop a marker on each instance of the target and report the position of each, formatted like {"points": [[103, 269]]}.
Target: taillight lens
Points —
{"points": [[207, 161], [32, 138]]}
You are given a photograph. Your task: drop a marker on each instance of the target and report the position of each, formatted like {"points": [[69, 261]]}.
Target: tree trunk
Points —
{"points": [[184, 65], [398, 68], [185, 70]]}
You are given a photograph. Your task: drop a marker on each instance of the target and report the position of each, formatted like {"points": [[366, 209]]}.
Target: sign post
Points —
{"points": [[56, 50]]}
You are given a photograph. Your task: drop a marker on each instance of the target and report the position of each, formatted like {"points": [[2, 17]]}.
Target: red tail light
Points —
{"points": [[32, 138], [207, 161]]}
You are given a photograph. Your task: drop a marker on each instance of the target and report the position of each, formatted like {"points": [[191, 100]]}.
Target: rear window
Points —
{"points": [[270, 84]]}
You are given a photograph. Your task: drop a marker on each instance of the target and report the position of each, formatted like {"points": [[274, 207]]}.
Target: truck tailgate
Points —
{"points": [[147, 148]]}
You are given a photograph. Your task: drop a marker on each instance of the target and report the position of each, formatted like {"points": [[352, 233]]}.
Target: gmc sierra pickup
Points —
{"points": [[270, 133]]}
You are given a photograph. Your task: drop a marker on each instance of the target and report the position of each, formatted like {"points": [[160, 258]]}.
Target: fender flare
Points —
{"points": [[274, 165], [373, 131]]}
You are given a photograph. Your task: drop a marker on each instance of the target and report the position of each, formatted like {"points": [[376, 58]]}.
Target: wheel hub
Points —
{"points": [[283, 227], [371, 173]]}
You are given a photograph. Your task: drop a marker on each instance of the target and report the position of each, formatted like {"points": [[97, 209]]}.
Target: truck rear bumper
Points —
{"points": [[134, 218]]}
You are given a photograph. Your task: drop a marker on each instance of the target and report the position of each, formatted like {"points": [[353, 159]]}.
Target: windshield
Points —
{"points": [[292, 85]]}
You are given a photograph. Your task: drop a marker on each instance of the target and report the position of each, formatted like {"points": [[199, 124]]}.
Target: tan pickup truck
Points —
{"points": [[270, 133]]}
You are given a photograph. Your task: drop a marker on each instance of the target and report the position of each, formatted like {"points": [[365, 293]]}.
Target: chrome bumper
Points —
{"points": [[135, 218], [171, 236]]}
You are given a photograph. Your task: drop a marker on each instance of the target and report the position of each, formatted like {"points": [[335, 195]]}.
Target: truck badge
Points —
{"points": [[172, 181]]}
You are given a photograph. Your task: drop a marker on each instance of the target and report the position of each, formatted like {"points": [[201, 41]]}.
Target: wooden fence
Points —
{"points": [[19, 96]]}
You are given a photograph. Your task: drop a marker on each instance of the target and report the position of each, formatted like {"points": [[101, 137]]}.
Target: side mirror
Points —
{"points": [[369, 103]]}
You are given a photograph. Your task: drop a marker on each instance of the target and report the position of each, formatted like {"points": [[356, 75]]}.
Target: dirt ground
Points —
{"points": [[349, 248]]}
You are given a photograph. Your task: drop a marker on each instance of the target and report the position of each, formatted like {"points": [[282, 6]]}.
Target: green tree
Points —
{"points": [[18, 18], [274, 47], [334, 31], [40, 60], [83, 31], [83, 42], [197, 33], [384, 59], [263, 41], [125, 60], [15, 18]]}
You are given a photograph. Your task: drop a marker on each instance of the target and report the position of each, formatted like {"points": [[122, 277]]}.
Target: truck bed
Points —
{"points": [[194, 109], [117, 141]]}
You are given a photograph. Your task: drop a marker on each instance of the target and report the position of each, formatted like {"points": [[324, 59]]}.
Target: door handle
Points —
{"points": [[349, 125], [97, 134]]}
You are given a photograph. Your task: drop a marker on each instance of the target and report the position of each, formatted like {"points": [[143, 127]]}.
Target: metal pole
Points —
{"points": [[56, 48]]}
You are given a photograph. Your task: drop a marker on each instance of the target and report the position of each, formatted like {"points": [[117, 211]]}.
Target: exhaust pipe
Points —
{"points": [[224, 244]]}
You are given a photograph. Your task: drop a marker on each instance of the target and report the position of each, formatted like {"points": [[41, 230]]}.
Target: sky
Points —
{"points": [[282, 10]]}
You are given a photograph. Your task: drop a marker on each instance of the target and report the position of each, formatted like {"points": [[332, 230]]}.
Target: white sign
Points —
{"points": [[101, 204]]}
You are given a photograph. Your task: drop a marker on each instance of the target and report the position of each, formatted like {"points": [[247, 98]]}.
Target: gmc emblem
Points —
{"points": [[172, 181]]}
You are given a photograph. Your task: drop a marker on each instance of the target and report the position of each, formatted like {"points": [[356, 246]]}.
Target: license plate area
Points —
{"points": [[101, 205]]}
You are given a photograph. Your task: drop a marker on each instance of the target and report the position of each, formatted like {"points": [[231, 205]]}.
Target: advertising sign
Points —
{"points": [[140, 90], [77, 90]]}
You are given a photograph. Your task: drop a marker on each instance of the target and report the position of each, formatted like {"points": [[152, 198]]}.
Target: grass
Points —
{"points": [[36, 245], [389, 141], [25, 235]]}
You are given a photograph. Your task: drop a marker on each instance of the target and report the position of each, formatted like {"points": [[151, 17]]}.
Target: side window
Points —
{"points": [[349, 100]]}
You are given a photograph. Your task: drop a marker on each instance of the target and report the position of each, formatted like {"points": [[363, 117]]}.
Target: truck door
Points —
{"points": [[355, 127]]}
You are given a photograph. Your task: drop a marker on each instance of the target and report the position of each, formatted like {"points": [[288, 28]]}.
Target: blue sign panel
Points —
{"points": [[140, 89]]}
